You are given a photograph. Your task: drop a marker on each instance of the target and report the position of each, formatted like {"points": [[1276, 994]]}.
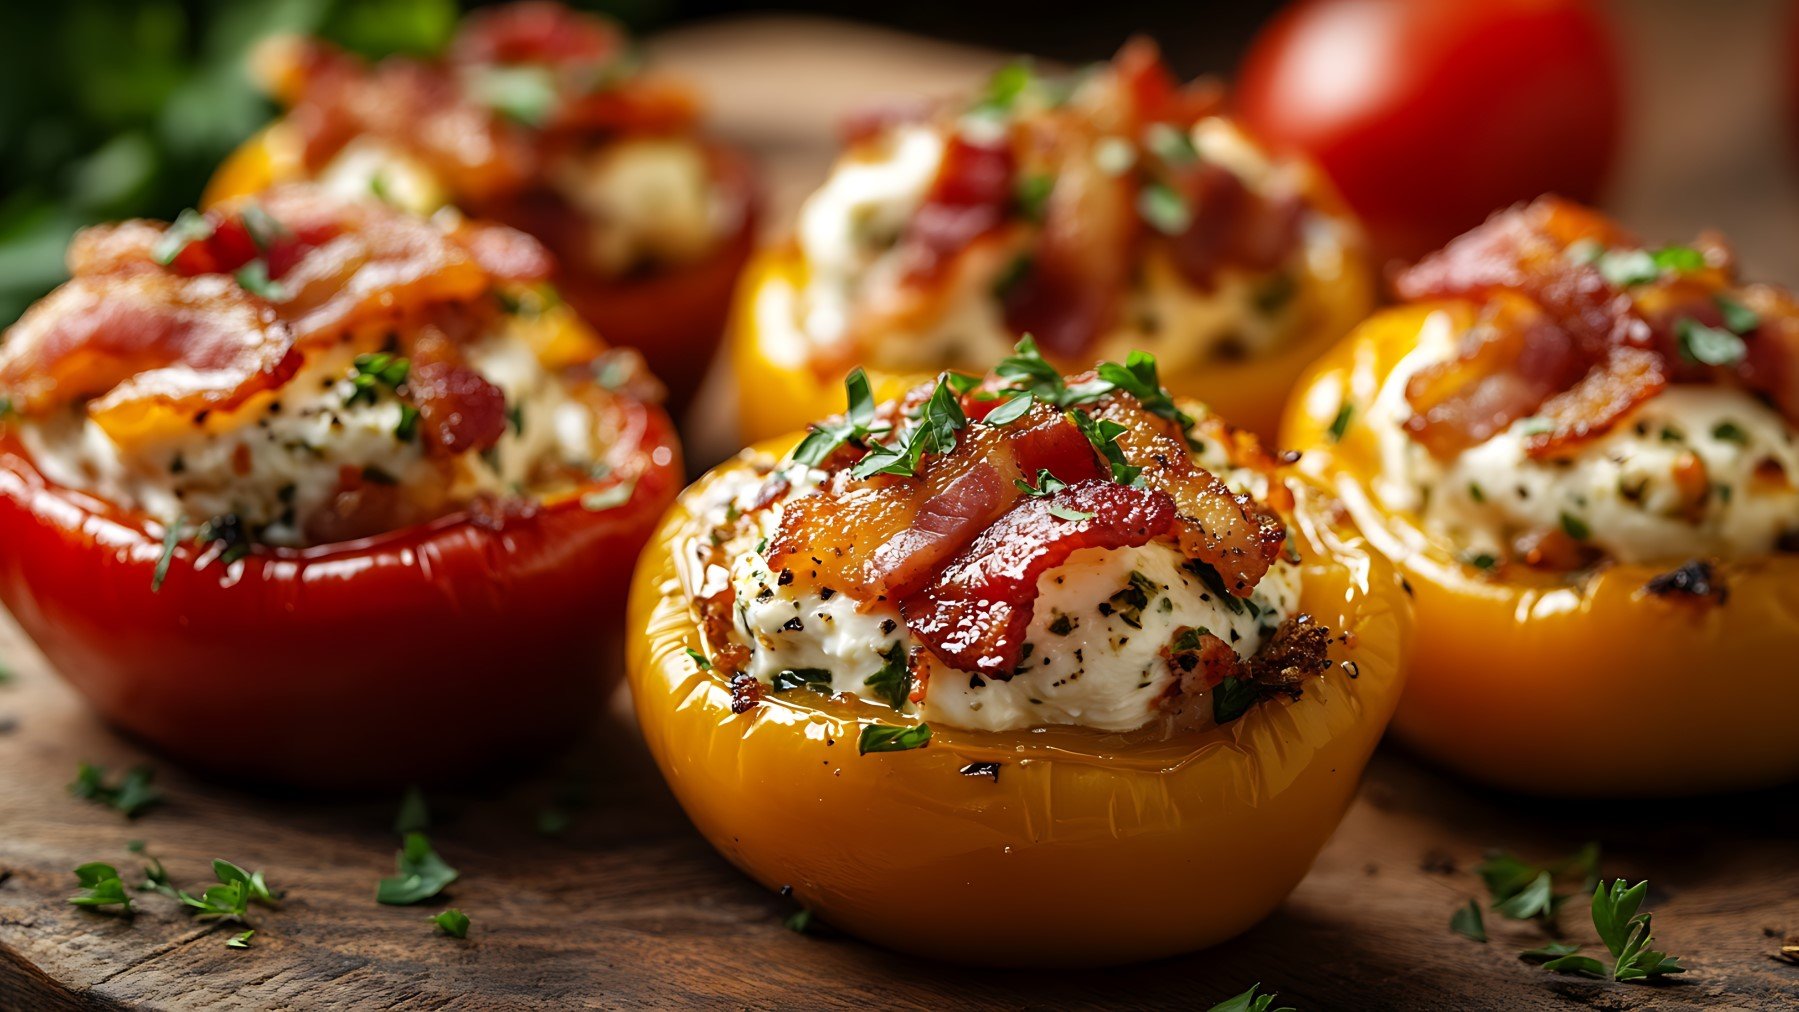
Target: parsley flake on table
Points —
{"points": [[130, 797], [1521, 890], [421, 874], [231, 898], [414, 816], [1625, 933], [100, 887], [1250, 1001], [452, 922], [241, 940], [1467, 922]]}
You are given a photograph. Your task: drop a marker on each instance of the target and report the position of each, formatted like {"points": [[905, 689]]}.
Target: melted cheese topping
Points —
{"points": [[279, 460], [1696, 471], [848, 228], [1094, 648]]}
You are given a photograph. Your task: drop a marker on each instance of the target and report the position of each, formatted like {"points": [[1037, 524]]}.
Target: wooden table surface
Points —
{"points": [[628, 907]]}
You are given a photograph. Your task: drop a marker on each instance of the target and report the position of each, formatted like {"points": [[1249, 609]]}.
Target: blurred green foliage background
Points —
{"points": [[121, 108]]}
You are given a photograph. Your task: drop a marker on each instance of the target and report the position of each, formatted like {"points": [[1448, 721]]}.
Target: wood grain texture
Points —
{"points": [[628, 907]]}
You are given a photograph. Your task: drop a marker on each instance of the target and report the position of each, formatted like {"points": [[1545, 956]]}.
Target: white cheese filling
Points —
{"points": [[1094, 651], [848, 228], [278, 461], [1696, 471]]}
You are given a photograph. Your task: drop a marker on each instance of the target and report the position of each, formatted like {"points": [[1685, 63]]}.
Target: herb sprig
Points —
{"points": [[1626, 934]]}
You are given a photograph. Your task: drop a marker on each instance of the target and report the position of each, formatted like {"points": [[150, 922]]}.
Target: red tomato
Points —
{"points": [[1431, 114], [444, 648]]}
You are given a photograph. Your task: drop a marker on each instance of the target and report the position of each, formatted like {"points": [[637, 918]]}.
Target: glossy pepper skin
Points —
{"points": [[1088, 849], [675, 318], [420, 654], [1580, 687], [779, 392]]}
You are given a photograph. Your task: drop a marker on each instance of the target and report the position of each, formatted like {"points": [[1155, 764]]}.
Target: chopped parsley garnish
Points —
{"points": [[699, 660], [253, 277], [1232, 698], [1708, 345], [1628, 267], [933, 432], [1626, 934], [1730, 432], [421, 874], [1138, 377], [1172, 145], [100, 887], [1103, 435], [1481, 560], [1028, 373], [856, 427], [1073, 516], [228, 531], [373, 372], [170, 538], [1046, 485], [1468, 923], [1575, 527], [614, 495], [1188, 639], [231, 898], [799, 678], [523, 93], [1032, 194], [130, 797], [1250, 1001], [1165, 210], [888, 738], [1009, 412], [893, 683], [452, 922], [262, 227], [241, 940], [1340, 424], [1004, 88], [1738, 317], [1523, 891], [190, 227], [1128, 604], [407, 428]]}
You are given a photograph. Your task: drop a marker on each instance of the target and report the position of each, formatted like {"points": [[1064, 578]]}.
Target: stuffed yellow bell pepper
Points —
{"points": [[541, 118], [1123, 211], [1581, 451], [1016, 671]]}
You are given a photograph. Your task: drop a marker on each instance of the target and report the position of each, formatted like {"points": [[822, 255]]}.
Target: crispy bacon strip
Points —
{"points": [[975, 613], [142, 343], [1232, 534]]}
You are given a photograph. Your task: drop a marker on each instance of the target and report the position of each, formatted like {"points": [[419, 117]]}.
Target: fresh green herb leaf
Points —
{"points": [[1481, 560], [231, 898], [1467, 922], [100, 887], [1232, 698], [1730, 432], [171, 536], [1047, 485], [824, 439], [1708, 345], [1628, 267], [799, 922], [1004, 88], [1165, 210], [1073, 516], [1520, 889], [407, 428], [1548, 951], [1250, 1001], [1575, 527], [421, 874], [1027, 371], [452, 922], [130, 797], [1626, 934], [253, 277], [190, 227], [1138, 377], [933, 432], [376, 371], [1738, 317], [1015, 408], [1576, 964], [1103, 435], [241, 940], [893, 682], [1032, 194], [888, 738], [1171, 144], [414, 815], [1536, 899], [262, 227], [1678, 259], [614, 495], [523, 93], [800, 678], [700, 661], [1340, 424]]}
